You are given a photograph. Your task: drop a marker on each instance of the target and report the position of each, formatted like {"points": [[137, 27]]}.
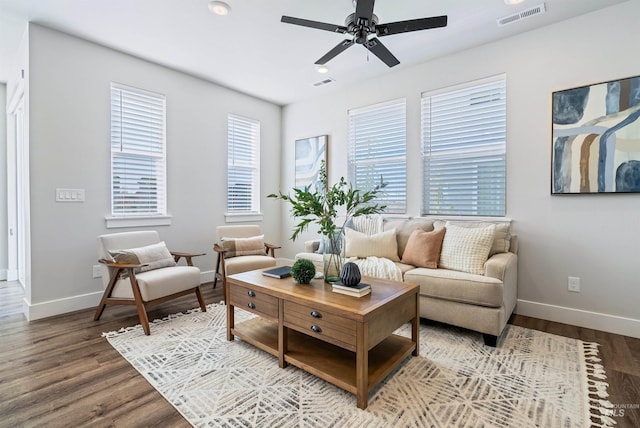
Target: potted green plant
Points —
{"points": [[303, 271], [320, 205]]}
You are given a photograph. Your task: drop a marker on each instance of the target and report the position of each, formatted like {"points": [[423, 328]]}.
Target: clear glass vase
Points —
{"points": [[332, 257]]}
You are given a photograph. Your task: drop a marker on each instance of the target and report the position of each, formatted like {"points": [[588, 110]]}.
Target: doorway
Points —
{"points": [[18, 263]]}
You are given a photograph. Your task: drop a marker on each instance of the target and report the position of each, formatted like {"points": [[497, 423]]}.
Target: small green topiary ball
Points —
{"points": [[303, 271]]}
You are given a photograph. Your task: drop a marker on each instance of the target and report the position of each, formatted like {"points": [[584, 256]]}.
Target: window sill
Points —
{"points": [[242, 217], [116, 222]]}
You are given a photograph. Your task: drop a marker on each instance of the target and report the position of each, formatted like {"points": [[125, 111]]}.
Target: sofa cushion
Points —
{"points": [[466, 249], [367, 224], [457, 286], [501, 239], [234, 247], [405, 227], [423, 248], [382, 244]]}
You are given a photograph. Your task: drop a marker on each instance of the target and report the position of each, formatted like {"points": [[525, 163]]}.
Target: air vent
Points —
{"points": [[325, 81], [532, 11]]}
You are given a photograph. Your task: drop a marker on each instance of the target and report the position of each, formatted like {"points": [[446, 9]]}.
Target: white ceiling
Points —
{"points": [[252, 51]]}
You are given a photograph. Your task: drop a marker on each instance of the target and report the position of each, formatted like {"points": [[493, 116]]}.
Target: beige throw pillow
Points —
{"points": [[252, 246], [154, 256], [360, 245], [466, 249], [501, 239], [423, 248]]}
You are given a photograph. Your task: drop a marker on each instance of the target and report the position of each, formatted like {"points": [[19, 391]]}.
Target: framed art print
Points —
{"points": [[596, 138], [310, 152]]}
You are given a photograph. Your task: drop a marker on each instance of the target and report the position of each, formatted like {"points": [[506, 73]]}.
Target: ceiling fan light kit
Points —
{"points": [[219, 8], [363, 28]]}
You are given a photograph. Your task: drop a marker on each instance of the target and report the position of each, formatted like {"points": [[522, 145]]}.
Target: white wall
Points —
{"points": [[3, 182], [593, 237], [70, 148]]}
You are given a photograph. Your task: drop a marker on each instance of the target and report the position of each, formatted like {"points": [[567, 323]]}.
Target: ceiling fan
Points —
{"points": [[364, 23]]}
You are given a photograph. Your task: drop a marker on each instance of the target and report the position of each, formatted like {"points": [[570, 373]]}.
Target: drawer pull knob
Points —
{"points": [[251, 305], [251, 293], [316, 314], [316, 329]]}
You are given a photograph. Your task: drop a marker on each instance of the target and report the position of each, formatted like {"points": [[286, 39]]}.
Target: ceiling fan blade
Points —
{"points": [[411, 25], [341, 47], [364, 9], [314, 24], [376, 47]]}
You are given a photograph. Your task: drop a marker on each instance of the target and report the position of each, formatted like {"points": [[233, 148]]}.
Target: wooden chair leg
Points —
{"points": [[203, 307], [106, 295], [215, 276], [142, 310]]}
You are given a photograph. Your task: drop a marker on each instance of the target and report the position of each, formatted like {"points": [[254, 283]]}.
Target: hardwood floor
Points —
{"points": [[60, 372]]}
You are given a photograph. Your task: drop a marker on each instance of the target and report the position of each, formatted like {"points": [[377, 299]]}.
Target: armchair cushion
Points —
{"points": [[466, 249], [234, 247], [243, 264], [154, 256], [159, 283]]}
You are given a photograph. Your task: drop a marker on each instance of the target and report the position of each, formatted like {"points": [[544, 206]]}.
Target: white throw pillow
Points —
{"points": [[466, 249], [382, 244], [154, 256]]}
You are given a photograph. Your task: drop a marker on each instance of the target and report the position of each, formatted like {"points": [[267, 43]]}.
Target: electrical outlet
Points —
{"points": [[573, 284], [97, 272]]}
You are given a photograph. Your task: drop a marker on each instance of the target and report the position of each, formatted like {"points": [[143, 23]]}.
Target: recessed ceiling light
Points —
{"points": [[322, 69], [219, 8], [513, 1]]}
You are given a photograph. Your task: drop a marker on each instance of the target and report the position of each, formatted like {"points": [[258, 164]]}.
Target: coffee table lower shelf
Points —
{"points": [[324, 360]]}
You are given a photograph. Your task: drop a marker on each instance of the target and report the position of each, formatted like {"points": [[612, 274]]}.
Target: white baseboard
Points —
{"points": [[12, 275], [51, 308], [3, 274], [578, 317], [207, 276]]}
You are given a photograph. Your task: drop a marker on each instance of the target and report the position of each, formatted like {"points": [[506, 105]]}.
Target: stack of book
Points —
{"points": [[359, 290]]}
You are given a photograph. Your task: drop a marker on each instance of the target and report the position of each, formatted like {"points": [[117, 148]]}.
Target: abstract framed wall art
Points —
{"points": [[596, 138], [310, 152]]}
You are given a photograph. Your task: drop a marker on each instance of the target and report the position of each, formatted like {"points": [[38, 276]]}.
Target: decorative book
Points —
{"points": [[359, 290], [352, 292], [278, 272], [360, 286]]}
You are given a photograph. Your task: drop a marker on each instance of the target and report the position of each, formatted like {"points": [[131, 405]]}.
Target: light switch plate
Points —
{"points": [[69, 195]]}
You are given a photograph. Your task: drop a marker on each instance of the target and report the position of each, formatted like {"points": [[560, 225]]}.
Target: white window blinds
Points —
{"points": [[138, 162], [377, 148], [243, 164], [464, 145]]}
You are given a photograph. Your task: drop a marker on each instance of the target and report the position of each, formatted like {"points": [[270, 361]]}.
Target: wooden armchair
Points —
{"points": [[138, 270], [240, 249]]}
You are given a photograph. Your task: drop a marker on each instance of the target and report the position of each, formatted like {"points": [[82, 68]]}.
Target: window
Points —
{"points": [[243, 165], [463, 149], [377, 148], [138, 162]]}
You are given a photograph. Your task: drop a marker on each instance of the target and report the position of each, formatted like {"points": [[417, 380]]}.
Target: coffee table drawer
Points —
{"points": [[321, 324], [254, 301]]}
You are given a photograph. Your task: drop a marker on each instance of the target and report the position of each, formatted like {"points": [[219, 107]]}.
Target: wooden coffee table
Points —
{"points": [[345, 340]]}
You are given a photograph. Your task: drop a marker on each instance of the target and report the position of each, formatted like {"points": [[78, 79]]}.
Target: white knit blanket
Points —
{"points": [[378, 267]]}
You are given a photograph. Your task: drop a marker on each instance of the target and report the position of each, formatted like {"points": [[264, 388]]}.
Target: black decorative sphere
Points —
{"points": [[350, 274]]}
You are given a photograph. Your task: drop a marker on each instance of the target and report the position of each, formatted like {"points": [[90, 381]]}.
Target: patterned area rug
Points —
{"points": [[532, 379]]}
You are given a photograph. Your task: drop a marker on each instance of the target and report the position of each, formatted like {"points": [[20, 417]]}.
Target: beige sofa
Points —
{"points": [[481, 302]]}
